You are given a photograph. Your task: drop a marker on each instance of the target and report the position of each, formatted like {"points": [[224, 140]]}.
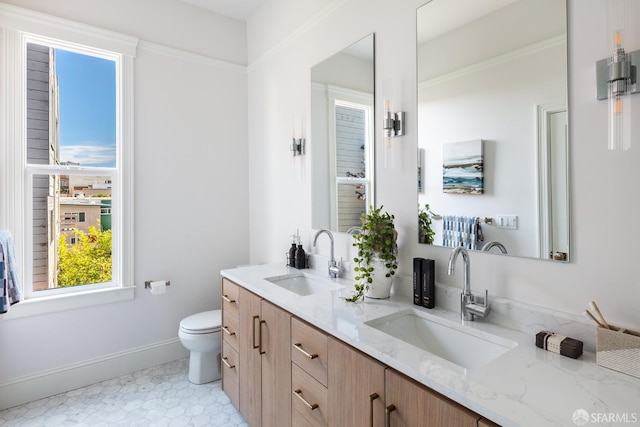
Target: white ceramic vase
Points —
{"points": [[380, 288]]}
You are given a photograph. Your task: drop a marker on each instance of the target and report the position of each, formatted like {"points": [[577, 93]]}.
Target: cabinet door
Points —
{"points": [[409, 404], [250, 372], [356, 387], [276, 366]]}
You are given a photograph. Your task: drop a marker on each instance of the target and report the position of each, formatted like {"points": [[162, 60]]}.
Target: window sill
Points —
{"points": [[53, 304]]}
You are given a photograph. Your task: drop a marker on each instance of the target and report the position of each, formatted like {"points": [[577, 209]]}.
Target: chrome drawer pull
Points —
{"points": [[227, 299], [298, 346], [225, 360], [309, 405], [227, 331]]}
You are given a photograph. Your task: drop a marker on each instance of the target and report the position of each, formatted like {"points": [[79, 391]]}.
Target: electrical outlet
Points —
{"points": [[508, 221]]}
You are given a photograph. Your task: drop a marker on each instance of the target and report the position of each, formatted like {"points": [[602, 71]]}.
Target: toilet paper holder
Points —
{"points": [[147, 283]]}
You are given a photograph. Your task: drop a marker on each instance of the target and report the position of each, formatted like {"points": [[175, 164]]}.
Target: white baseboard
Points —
{"points": [[70, 377]]}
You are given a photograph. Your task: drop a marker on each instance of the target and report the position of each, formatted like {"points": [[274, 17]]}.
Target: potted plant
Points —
{"points": [[376, 261], [425, 233]]}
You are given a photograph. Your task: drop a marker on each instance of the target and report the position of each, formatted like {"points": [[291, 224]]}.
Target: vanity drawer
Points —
{"points": [[230, 293], [309, 349], [230, 325], [230, 377], [309, 399]]}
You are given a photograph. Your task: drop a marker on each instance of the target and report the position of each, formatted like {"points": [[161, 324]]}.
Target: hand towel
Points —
{"points": [[10, 287]]}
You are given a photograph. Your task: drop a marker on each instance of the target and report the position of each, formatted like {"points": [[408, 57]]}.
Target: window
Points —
{"points": [[67, 157]]}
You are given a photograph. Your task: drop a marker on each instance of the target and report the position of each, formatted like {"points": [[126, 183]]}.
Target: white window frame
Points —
{"points": [[340, 96], [18, 26]]}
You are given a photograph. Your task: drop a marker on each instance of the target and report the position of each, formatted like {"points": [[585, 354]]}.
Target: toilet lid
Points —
{"points": [[207, 321]]}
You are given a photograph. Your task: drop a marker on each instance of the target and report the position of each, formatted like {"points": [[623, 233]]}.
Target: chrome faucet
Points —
{"points": [[334, 267], [469, 308], [487, 247]]}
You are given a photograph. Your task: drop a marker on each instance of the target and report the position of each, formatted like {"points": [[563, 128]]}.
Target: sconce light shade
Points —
{"points": [[618, 92], [616, 79]]}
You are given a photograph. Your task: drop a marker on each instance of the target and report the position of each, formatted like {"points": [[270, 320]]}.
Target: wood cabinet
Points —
{"points": [[264, 360], [410, 404], [356, 380], [280, 371]]}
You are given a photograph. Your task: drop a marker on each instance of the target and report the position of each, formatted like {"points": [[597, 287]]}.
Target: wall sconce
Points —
{"points": [[393, 123], [297, 146], [616, 79]]}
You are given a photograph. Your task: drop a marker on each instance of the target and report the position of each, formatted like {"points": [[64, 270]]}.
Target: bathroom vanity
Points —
{"points": [[295, 353]]}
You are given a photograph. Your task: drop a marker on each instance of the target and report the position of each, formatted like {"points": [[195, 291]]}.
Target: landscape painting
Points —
{"points": [[463, 167]]}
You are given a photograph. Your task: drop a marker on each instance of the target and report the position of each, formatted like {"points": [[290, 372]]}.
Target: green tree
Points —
{"points": [[87, 261]]}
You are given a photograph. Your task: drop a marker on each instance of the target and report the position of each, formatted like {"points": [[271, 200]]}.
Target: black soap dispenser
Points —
{"points": [[301, 256], [291, 258]]}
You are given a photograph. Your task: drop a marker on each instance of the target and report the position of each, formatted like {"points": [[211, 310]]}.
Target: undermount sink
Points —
{"points": [[459, 344], [303, 283]]}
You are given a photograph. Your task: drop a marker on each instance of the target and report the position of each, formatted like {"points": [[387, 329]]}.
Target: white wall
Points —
{"points": [[604, 203], [191, 206]]}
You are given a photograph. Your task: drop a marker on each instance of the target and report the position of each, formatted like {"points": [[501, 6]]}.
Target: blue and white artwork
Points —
{"points": [[463, 167]]}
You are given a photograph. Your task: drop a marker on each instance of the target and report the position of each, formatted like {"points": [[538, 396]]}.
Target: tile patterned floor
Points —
{"points": [[156, 397]]}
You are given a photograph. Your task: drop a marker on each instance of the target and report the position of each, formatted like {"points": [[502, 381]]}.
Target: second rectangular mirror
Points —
{"points": [[492, 125]]}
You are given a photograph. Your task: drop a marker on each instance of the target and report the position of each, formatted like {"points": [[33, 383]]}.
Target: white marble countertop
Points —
{"points": [[526, 386]]}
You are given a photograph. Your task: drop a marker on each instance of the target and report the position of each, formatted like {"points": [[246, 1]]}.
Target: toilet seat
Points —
{"points": [[202, 323]]}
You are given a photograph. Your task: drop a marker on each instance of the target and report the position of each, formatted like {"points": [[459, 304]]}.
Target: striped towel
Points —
{"points": [[10, 289], [462, 231]]}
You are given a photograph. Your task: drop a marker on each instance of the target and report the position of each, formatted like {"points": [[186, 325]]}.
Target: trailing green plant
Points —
{"points": [[424, 223], [377, 240]]}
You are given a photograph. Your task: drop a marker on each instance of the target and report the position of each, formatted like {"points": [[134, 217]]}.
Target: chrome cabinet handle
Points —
{"points": [[227, 299], [227, 331], [388, 410], [225, 360], [372, 397], [311, 406], [298, 346]]}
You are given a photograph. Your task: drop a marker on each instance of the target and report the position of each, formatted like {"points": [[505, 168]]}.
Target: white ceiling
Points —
{"points": [[238, 9]]}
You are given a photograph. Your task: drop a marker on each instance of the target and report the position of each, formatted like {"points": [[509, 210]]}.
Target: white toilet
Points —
{"points": [[200, 334]]}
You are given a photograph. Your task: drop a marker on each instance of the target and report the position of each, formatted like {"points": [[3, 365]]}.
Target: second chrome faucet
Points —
{"points": [[469, 308]]}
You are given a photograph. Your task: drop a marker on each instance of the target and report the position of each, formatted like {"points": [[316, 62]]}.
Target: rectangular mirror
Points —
{"points": [[342, 137], [493, 148]]}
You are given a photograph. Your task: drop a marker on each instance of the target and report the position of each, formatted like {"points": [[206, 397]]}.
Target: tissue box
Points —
{"points": [[618, 349]]}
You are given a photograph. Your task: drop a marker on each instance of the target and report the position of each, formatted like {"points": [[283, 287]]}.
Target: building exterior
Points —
{"points": [[43, 147]]}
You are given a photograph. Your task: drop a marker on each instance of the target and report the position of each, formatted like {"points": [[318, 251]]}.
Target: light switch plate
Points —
{"points": [[508, 221]]}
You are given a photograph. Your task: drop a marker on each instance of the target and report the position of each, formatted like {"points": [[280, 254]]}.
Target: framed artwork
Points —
{"points": [[463, 167]]}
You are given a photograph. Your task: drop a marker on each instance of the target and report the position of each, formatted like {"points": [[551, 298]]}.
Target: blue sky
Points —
{"points": [[87, 90]]}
